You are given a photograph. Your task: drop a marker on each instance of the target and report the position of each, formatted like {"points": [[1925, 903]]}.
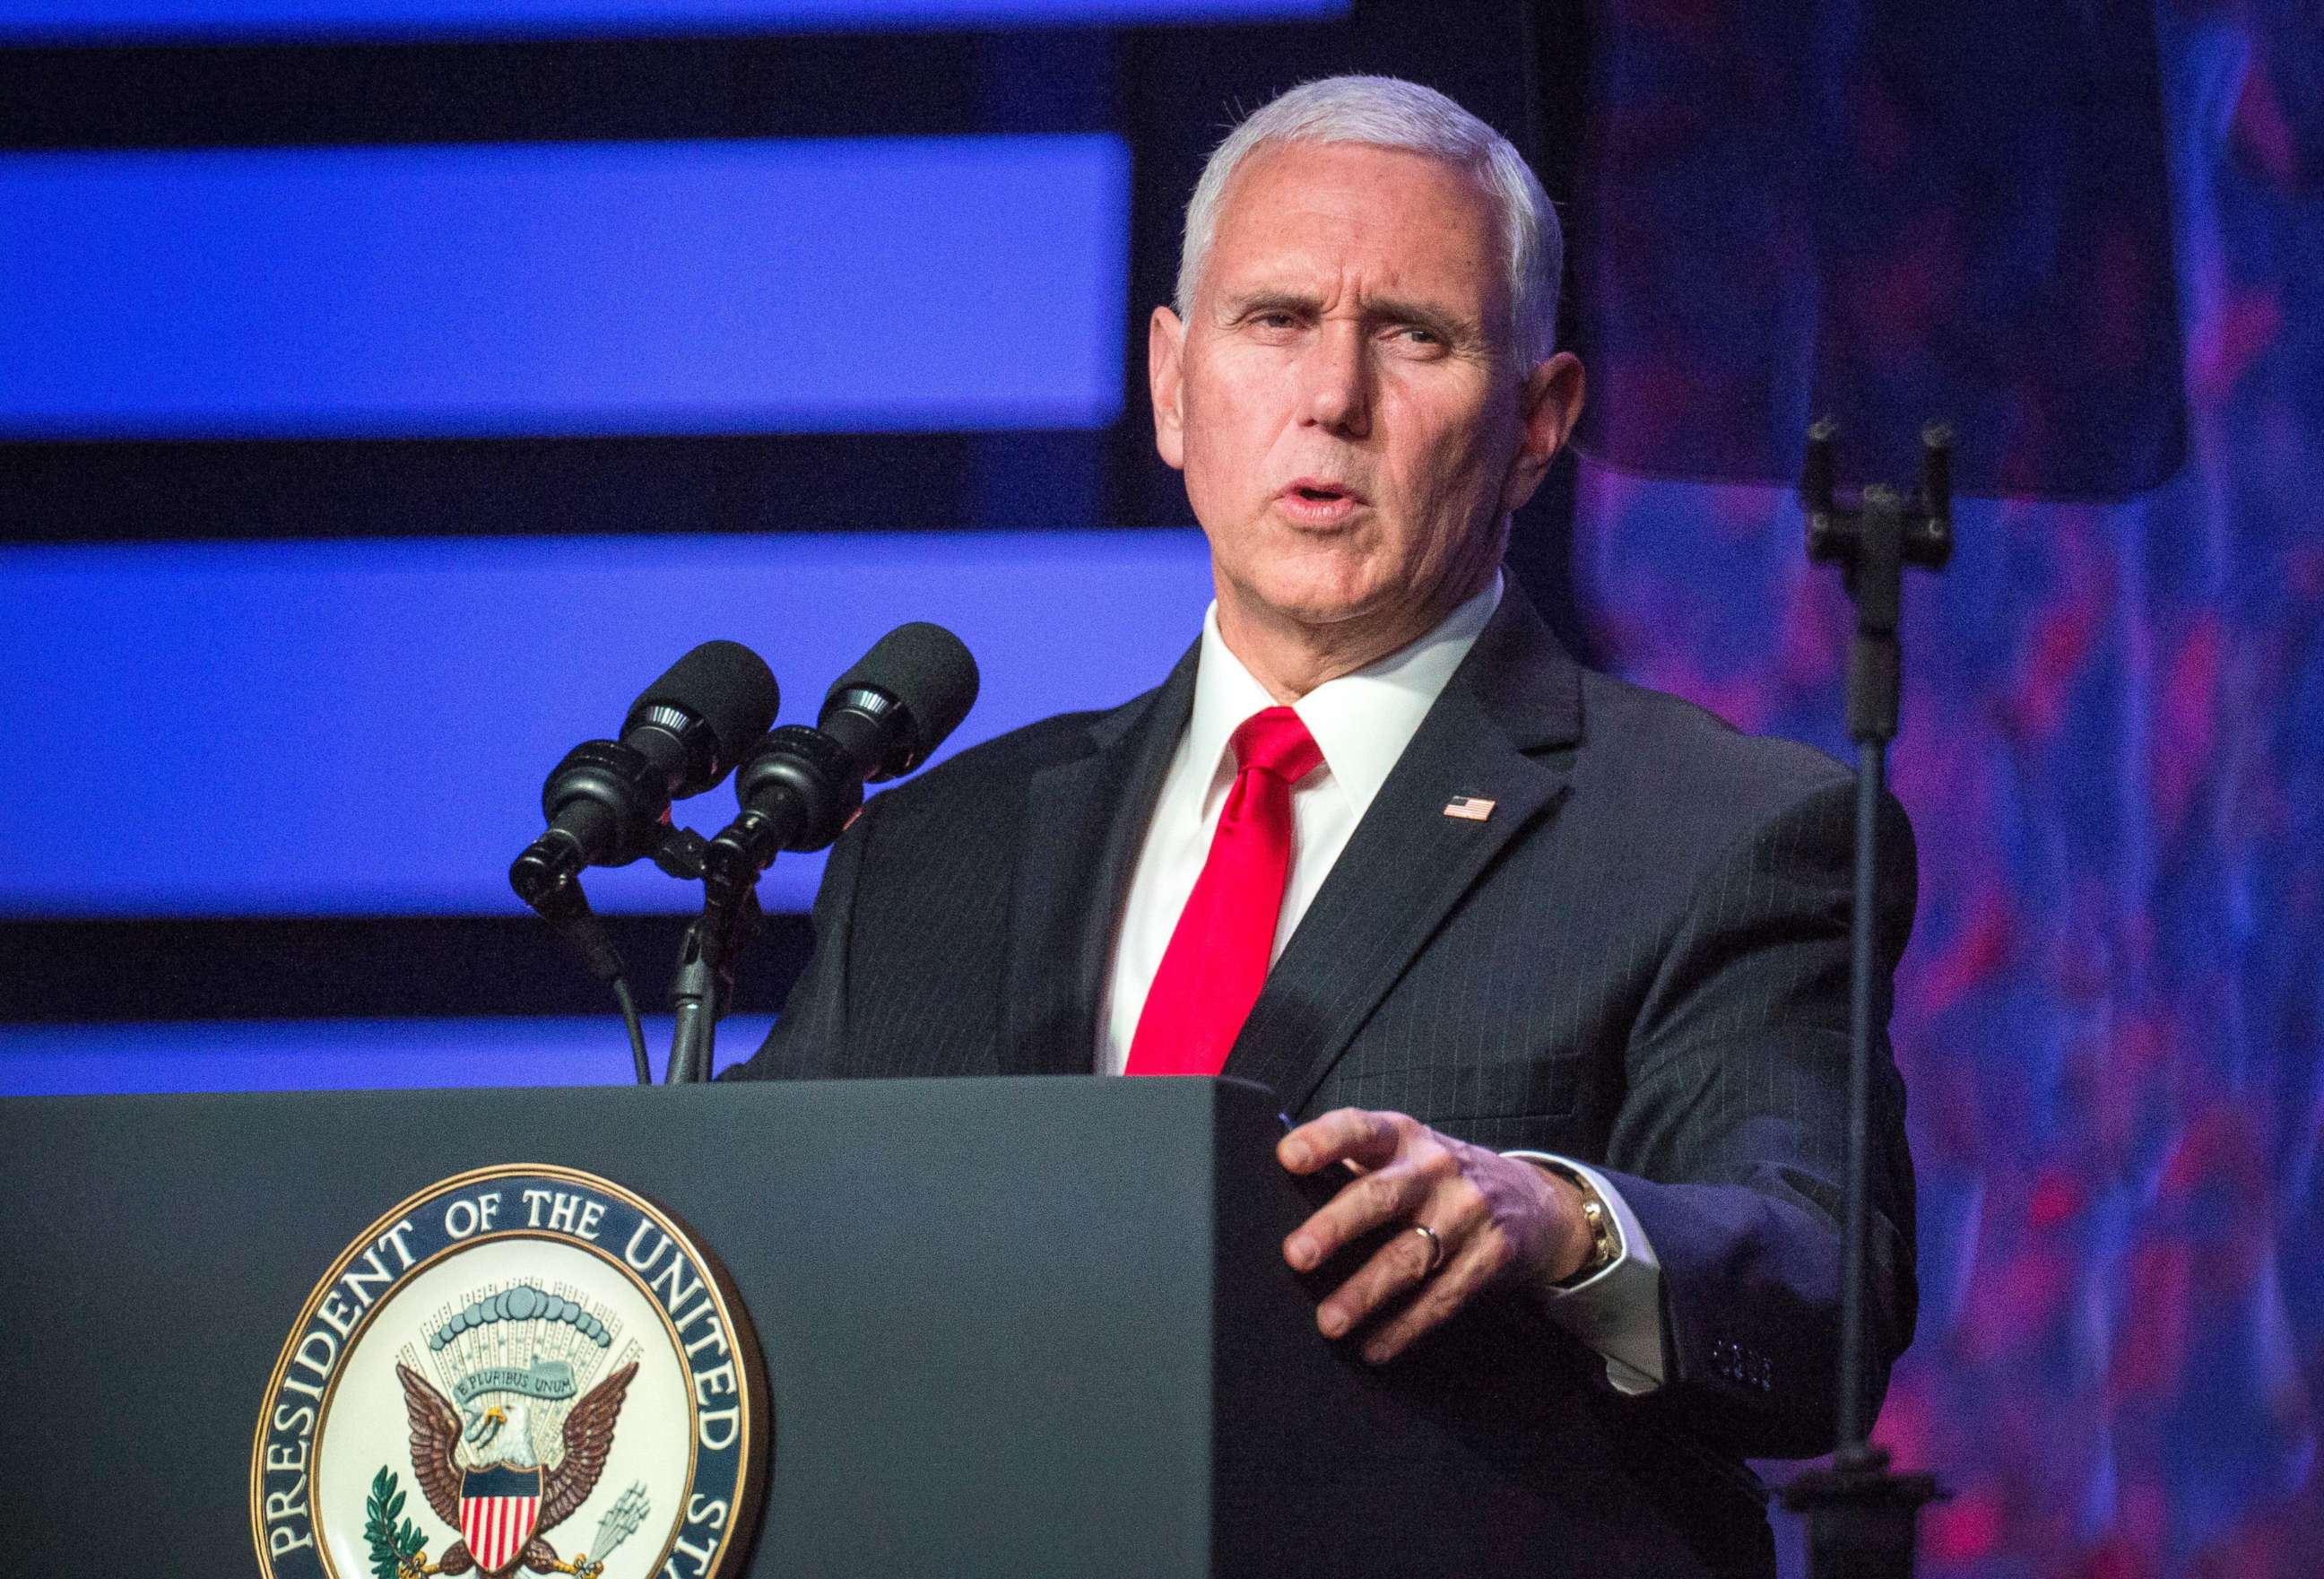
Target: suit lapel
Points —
{"points": [[1491, 734], [1083, 822]]}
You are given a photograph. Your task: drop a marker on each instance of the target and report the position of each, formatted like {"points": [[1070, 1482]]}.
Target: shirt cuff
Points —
{"points": [[1619, 1310]]}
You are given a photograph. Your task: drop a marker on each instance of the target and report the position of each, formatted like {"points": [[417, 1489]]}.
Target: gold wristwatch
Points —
{"points": [[1605, 1238]]}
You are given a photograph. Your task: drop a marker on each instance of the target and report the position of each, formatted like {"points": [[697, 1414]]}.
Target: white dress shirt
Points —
{"points": [[1361, 723]]}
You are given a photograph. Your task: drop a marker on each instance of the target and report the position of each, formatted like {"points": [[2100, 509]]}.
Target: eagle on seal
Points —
{"points": [[436, 1433]]}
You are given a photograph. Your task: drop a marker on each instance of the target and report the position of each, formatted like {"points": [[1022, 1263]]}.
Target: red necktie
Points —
{"points": [[1218, 956]]}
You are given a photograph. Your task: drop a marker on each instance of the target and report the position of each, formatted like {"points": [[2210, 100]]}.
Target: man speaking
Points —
{"points": [[1552, 970]]}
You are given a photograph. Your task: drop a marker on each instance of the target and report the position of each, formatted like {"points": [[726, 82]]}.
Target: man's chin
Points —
{"points": [[1344, 611], [1316, 606]]}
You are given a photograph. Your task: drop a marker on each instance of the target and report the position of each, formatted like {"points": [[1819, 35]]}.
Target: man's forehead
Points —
{"points": [[1297, 215]]}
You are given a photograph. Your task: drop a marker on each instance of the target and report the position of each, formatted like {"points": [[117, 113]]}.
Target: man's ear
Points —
{"points": [[1549, 406], [1165, 345]]}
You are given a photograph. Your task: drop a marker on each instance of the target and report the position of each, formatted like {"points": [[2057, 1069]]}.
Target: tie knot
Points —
{"points": [[1275, 742]]}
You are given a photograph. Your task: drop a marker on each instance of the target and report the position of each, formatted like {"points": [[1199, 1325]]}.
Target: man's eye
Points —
{"points": [[1419, 335]]}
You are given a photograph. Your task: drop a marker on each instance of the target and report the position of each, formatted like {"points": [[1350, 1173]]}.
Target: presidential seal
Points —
{"points": [[522, 1368]]}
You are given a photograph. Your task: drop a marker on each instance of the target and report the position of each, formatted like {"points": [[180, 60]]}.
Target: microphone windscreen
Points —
{"points": [[726, 686], [926, 669]]}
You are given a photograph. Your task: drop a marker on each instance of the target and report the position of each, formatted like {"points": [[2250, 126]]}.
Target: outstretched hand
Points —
{"points": [[1492, 1217]]}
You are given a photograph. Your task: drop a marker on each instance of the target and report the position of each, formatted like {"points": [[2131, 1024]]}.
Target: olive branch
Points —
{"points": [[393, 1550]]}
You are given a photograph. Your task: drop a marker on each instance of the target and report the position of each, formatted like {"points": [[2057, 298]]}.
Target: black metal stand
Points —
{"points": [[695, 1008], [558, 899], [1862, 1517], [704, 984]]}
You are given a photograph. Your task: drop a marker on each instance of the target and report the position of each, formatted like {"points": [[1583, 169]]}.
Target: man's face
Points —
{"points": [[1351, 422]]}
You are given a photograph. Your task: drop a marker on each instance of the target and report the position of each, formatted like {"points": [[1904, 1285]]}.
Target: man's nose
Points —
{"points": [[1338, 375]]}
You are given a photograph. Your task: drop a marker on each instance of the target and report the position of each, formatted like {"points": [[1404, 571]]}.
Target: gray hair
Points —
{"points": [[1386, 111]]}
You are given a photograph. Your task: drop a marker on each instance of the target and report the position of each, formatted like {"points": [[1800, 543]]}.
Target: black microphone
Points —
{"points": [[605, 801], [800, 786], [902, 701]]}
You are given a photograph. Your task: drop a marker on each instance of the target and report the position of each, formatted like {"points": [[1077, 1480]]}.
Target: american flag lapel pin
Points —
{"points": [[1469, 808]]}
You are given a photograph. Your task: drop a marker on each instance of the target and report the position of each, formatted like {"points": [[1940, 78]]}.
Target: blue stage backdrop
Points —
{"points": [[565, 289], [376, 417], [363, 727]]}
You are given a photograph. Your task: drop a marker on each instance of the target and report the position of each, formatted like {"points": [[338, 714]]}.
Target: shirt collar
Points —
{"points": [[1361, 722]]}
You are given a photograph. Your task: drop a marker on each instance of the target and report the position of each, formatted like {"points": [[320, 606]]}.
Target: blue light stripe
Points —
{"points": [[337, 1055], [363, 727], [293, 19], [807, 286]]}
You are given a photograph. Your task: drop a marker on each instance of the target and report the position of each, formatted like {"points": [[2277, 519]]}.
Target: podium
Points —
{"points": [[1010, 1326], [1020, 1328]]}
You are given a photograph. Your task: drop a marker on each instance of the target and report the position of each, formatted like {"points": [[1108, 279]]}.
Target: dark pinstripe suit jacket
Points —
{"points": [[1639, 959]]}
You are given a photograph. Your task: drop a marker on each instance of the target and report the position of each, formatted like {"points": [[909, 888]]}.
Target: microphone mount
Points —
{"points": [[1873, 541], [707, 955], [601, 784], [797, 787]]}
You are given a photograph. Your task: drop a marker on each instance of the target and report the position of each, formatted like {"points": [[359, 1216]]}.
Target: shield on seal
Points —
{"points": [[499, 1507]]}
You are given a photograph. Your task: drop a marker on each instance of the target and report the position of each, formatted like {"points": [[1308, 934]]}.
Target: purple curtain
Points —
{"points": [[2112, 1014]]}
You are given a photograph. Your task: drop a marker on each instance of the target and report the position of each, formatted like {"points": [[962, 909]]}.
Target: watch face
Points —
{"points": [[1603, 1249]]}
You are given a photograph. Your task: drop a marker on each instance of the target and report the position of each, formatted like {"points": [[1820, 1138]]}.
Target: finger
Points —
{"points": [[1455, 1282], [1347, 1134], [1393, 1270], [1363, 1204]]}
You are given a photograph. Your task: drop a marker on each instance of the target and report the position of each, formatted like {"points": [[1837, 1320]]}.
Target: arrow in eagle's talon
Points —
{"points": [[621, 1521]]}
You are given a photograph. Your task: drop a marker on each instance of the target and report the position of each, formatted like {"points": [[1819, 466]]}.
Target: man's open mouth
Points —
{"points": [[1318, 491]]}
